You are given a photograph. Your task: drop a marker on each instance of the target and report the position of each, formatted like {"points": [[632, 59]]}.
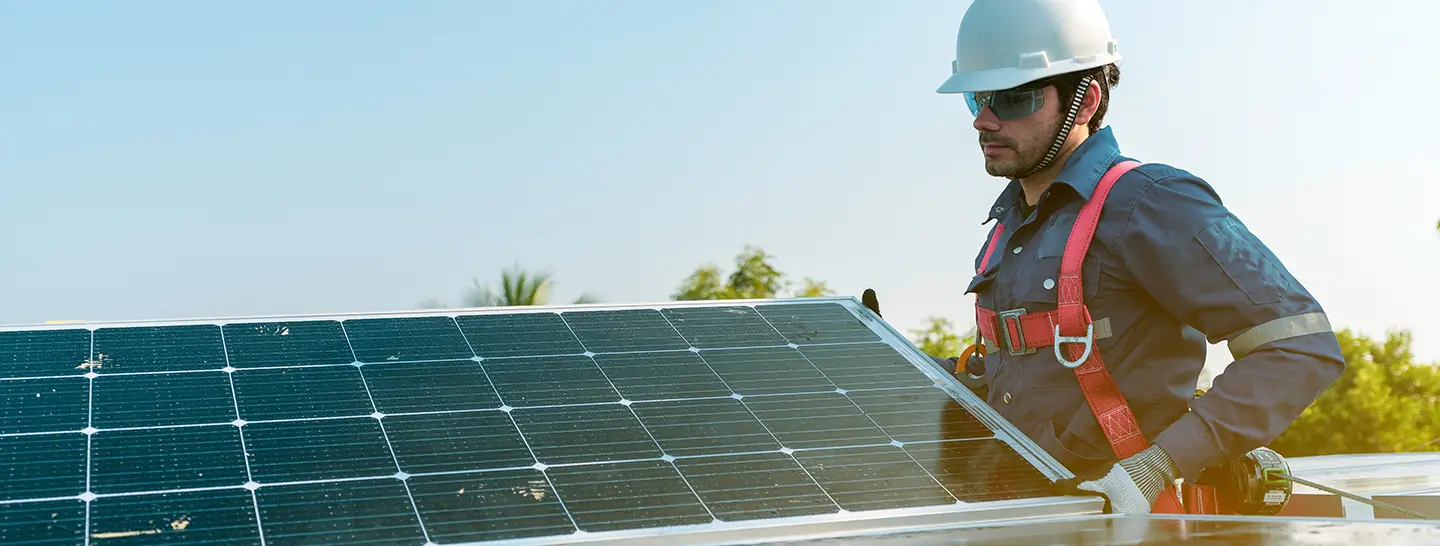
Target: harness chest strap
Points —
{"points": [[1022, 332]]}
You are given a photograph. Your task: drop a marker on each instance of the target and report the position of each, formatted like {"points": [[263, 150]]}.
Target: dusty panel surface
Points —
{"points": [[446, 428]]}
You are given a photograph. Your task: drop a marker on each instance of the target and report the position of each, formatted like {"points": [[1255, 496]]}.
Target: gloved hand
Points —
{"points": [[947, 364], [972, 373], [1131, 485]]}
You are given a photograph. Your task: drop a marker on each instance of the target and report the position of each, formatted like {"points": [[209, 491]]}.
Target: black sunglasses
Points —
{"points": [[1010, 104]]}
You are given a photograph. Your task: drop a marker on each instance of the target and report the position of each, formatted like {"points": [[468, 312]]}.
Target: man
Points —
{"points": [[1168, 267]]}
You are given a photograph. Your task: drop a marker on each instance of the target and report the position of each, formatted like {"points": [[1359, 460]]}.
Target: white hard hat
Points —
{"points": [[1006, 43]]}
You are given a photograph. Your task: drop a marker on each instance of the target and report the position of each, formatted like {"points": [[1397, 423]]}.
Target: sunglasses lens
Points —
{"points": [[972, 103], [1009, 105]]}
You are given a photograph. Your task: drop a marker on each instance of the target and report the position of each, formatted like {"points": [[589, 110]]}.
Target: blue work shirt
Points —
{"points": [[1169, 268]]}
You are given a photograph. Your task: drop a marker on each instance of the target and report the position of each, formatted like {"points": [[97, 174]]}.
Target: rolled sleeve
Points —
{"points": [[1201, 264]]}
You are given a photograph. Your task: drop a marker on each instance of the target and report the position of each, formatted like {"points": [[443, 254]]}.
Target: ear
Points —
{"points": [[1089, 105]]}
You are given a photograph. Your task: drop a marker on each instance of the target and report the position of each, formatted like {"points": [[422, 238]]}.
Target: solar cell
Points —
{"points": [[492, 424]]}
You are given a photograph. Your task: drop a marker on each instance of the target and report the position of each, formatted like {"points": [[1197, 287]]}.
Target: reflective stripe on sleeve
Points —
{"points": [[1278, 329]]}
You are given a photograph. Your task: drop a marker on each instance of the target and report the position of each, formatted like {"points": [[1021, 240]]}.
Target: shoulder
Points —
{"points": [[1170, 177], [1162, 179], [1161, 197]]}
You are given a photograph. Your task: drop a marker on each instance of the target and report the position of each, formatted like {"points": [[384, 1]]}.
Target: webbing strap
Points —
{"points": [[984, 263], [1104, 396], [1106, 401], [990, 248], [1035, 329]]}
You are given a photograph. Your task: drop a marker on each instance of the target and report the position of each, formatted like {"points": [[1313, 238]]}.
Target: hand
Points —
{"points": [[972, 373], [947, 364], [1121, 492], [1130, 486]]}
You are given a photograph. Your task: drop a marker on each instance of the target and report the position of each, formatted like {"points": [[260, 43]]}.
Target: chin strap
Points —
{"points": [[1064, 132]]}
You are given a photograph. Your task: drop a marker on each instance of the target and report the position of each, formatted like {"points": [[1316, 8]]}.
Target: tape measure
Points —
{"points": [[1260, 484], [1256, 484]]}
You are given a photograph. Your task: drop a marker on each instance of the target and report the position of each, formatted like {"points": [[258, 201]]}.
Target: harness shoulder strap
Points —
{"points": [[1075, 334], [990, 248], [1106, 401]]}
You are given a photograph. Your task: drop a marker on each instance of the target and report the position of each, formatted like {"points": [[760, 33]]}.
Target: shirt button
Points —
{"points": [[1016, 251], [1007, 398], [1049, 283]]}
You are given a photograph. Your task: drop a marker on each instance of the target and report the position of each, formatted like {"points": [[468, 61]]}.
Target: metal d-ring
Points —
{"points": [[1088, 340]]}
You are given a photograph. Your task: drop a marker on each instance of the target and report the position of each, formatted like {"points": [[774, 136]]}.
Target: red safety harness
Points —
{"points": [[1070, 326]]}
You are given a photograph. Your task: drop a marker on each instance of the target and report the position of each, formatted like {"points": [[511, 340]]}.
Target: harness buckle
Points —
{"points": [[1013, 345], [1088, 339]]}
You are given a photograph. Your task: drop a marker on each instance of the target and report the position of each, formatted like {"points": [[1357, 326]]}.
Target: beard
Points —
{"points": [[1028, 153]]}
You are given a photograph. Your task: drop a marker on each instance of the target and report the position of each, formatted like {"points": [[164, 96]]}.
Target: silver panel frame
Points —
{"points": [[752, 531], [1022, 444], [850, 524]]}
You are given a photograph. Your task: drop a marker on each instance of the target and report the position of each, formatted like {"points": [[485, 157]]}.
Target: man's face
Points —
{"points": [[1012, 147]]}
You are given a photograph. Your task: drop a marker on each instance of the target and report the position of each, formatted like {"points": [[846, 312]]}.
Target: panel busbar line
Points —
{"points": [[478, 426]]}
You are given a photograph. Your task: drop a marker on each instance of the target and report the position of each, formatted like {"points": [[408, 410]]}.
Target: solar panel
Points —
{"points": [[521, 424]]}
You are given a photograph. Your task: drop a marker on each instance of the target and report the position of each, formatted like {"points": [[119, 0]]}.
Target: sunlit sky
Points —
{"points": [[182, 159]]}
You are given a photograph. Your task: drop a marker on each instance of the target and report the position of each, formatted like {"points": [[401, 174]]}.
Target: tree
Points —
{"points": [[755, 277], [518, 287], [814, 289], [1383, 403], [938, 338]]}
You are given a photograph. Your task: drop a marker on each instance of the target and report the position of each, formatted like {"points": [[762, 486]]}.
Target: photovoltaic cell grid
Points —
{"points": [[478, 427]]}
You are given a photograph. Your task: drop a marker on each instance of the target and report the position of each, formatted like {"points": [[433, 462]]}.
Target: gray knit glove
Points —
{"points": [[1133, 484]]}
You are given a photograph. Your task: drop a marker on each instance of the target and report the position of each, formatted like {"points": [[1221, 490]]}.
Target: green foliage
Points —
{"points": [[814, 289], [754, 277], [703, 284], [1383, 403], [518, 287], [938, 338]]}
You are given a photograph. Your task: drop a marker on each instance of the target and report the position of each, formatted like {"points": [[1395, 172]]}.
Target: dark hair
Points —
{"points": [[1068, 84]]}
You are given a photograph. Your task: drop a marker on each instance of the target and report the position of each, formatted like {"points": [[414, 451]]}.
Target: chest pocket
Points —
{"points": [[1037, 283]]}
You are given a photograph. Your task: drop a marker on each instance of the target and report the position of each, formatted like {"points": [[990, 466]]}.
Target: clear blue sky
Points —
{"points": [[177, 159]]}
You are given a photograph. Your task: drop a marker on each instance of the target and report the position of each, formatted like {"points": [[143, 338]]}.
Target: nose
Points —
{"points": [[986, 121]]}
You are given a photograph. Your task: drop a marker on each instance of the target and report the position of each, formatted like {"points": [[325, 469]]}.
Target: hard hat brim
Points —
{"points": [[996, 79]]}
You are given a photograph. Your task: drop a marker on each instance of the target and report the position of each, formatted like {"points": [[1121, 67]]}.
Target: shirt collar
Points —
{"points": [[1082, 171], [1007, 200]]}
